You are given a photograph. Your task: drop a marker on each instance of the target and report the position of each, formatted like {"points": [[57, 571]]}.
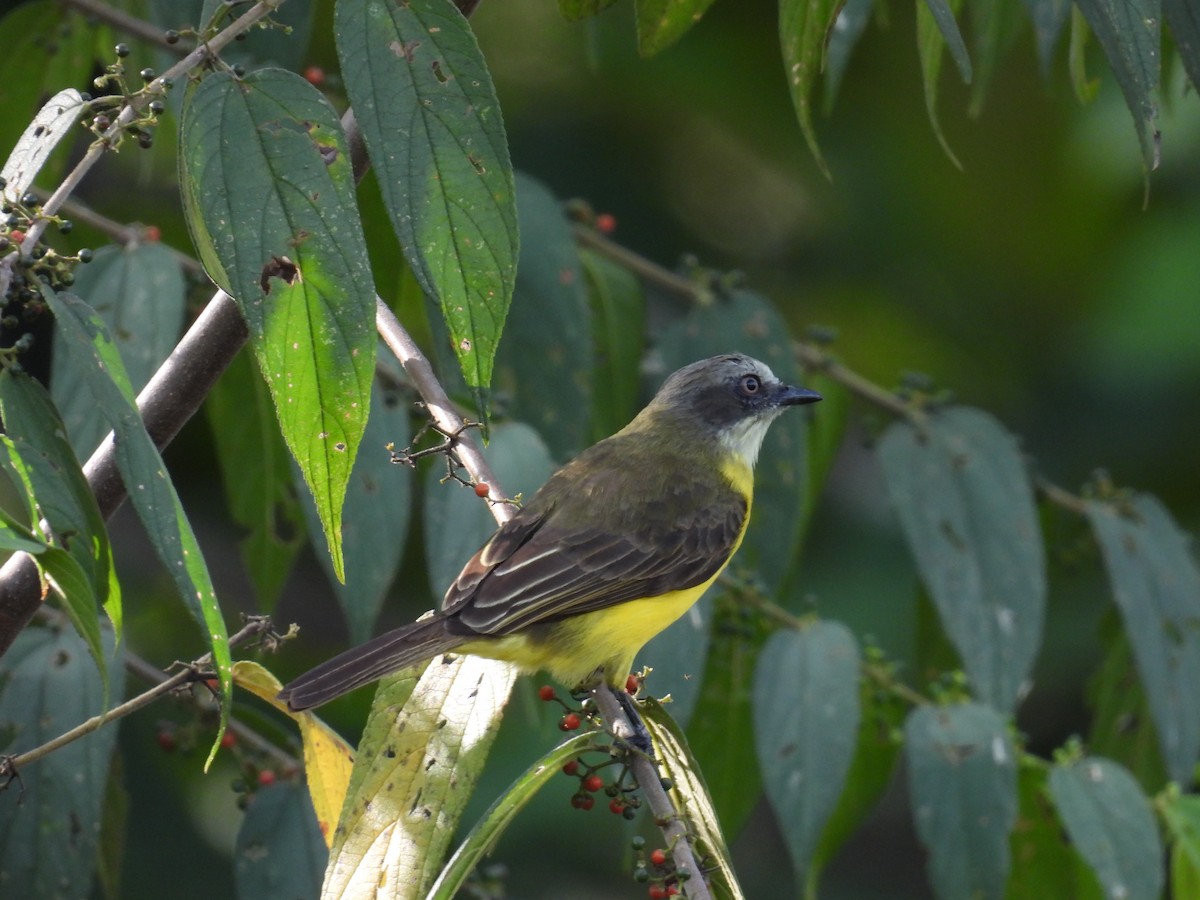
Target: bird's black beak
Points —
{"points": [[786, 395]]}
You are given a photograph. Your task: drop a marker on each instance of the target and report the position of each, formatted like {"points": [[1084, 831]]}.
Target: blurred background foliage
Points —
{"points": [[1037, 283]]}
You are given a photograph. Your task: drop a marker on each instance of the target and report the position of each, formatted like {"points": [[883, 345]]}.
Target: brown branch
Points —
{"points": [[123, 21]]}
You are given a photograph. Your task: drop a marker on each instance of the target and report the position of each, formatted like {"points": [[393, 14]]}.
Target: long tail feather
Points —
{"points": [[367, 662]]}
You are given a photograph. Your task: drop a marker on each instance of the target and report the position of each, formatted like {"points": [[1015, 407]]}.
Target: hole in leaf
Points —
{"points": [[438, 73], [279, 267]]}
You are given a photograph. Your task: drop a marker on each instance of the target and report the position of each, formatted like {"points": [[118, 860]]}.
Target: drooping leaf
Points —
{"points": [[256, 474], [691, 798], [377, 512], [50, 826], [279, 850], [1183, 16], [432, 125], [944, 12], [457, 522], [1110, 823], [618, 311], [660, 23], [1049, 17], [327, 757], [138, 291], [1156, 584], [51, 124], [965, 504], [149, 486], [1085, 88], [994, 26], [746, 322], [848, 28], [544, 367], [68, 579], [804, 30], [962, 772], [931, 40], [416, 768], [574, 10], [806, 718], [268, 150], [1182, 815], [1129, 32]]}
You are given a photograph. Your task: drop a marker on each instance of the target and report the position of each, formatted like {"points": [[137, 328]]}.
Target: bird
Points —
{"points": [[618, 544]]}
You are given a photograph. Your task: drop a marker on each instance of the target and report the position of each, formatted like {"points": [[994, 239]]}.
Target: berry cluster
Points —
{"points": [[658, 870]]}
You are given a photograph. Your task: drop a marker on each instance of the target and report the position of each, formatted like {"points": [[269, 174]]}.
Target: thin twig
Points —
{"points": [[123, 21], [649, 271], [11, 765]]}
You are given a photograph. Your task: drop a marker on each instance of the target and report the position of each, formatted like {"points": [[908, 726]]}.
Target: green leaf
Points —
{"points": [[943, 12], [1111, 825], [279, 850], [966, 507], [931, 39], [487, 831], [1085, 88], [150, 489], [544, 365], [1184, 18], [71, 582], [574, 10], [257, 476], [963, 776], [690, 796], [1156, 585], [1182, 816], [414, 772], [457, 522], [724, 716], [48, 840], [54, 121], [1129, 32], [428, 112], [378, 508], [848, 28], [1122, 726], [660, 23], [806, 719], [876, 751], [995, 24], [618, 314], [823, 439], [746, 322], [1044, 867], [138, 291], [1049, 17], [269, 150], [804, 30]]}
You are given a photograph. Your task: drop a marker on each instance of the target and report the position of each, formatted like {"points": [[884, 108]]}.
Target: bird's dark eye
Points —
{"points": [[749, 385]]}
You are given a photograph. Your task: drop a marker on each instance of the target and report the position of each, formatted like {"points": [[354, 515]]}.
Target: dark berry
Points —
{"points": [[86, 255], [171, 37], [148, 75], [122, 50]]}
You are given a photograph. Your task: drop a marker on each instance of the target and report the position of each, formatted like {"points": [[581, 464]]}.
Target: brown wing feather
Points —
{"points": [[550, 561]]}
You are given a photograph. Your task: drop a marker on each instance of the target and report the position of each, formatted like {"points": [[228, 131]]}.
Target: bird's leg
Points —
{"points": [[640, 739]]}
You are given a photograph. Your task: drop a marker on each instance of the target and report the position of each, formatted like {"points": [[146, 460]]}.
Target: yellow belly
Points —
{"points": [[607, 639]]}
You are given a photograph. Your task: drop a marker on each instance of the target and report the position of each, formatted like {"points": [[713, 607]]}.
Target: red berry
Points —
{"points": [[152, 234], [586, 802], [606, 223], [593, 783], [481, 489], [658, 892], [658, 857], [577, 801], [314, 75], [546, 692], [672, 890], [18, 236], [616, 806], [571, 767], [569, 722], [228, 740], [266, 778], [166, 741], [632, 685]]}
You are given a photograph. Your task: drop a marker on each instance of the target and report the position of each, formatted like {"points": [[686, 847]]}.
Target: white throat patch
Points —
{"points": [[744, 439]]}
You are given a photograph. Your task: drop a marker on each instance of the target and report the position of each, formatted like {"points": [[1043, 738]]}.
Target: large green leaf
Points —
{"points": [[1110, 823], [457, 522], [414, 772], [966, 507], [746, 322], [851, 22], [660, 23], [279, 851], [618, 313], [149, 486], [138, 291], [1049, 17], [1182, 816], [1184, 18], [257, 476], [690, 795], [1129, 31], [544, 366], [1044, 867], [378, 509], [428, 112], [934, 19], [962, 772], [269, 195], [804, 30], [806, 718], [50, 821], [1156, 584]]}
